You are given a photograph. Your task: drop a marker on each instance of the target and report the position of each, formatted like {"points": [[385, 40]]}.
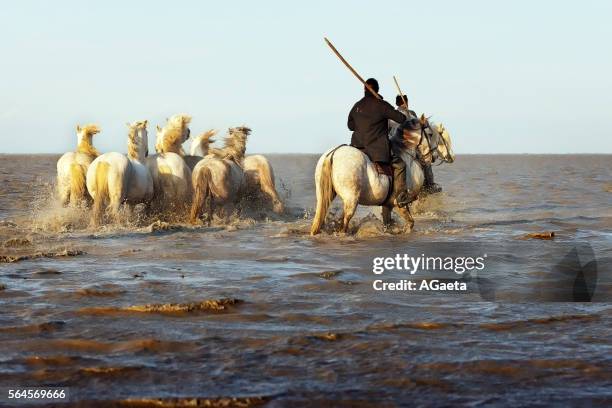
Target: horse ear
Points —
{"points": [[158, 128], [146, 122], [78, 128], [423, 119]]}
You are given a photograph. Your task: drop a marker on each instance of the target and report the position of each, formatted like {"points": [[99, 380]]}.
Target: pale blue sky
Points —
{"points": [[504, 77]]}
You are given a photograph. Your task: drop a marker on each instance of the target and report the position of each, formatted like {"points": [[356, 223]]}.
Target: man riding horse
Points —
{"points": [[429, 186], [353, 173], [369, 120]]}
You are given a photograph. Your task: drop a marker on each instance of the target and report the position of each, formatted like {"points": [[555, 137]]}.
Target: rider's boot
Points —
{"points": [[402, 197], [430, 186]]}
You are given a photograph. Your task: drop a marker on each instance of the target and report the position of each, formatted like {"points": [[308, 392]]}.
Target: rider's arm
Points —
{"points": [[394, 115], [351, 121]]}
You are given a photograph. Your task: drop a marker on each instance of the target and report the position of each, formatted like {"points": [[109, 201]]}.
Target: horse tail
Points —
{"points": [[101, 189], [77, 183], [202, 192], [325, 194]]}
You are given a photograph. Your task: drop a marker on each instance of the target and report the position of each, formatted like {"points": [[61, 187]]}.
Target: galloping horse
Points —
{"points": [[259, 175], [116, 178], [349, 173], [72, 167], [218, 179], [259, 178], [171, 175]]}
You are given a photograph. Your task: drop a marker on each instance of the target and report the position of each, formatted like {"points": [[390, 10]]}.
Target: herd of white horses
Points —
{"points": [[212, 180]]}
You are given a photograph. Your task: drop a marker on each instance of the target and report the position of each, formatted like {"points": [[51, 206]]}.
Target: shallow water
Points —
{"points": [[257, 308]]}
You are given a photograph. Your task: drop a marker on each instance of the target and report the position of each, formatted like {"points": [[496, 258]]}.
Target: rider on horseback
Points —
{"points": [[429, 186], [369, 121]]}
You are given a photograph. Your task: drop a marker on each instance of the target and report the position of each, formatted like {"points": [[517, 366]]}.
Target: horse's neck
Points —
{"points": [[137, 153], [85, 146], [140, 158]]}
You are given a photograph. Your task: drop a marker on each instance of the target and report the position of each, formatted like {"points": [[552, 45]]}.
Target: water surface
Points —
{"points": [[258, 308]]}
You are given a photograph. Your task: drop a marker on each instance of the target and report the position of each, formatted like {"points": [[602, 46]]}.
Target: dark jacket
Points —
{"points": [[369, 122]]}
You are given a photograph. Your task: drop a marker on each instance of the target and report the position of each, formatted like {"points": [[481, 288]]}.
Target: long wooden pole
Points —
{"points": [[400, 91], [368, 87]]}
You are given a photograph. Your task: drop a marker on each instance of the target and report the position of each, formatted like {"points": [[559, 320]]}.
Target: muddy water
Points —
{"points": [[254, 308]]}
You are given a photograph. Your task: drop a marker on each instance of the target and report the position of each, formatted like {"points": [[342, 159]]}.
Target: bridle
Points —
{"points": [[431, 151]]}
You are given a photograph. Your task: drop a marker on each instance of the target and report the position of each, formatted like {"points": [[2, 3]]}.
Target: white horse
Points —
{"points": [[115, 178], [258, 172], [72, 167], [171, 174], [349, 173], [259, 179], [218, 179], [199, 147]]}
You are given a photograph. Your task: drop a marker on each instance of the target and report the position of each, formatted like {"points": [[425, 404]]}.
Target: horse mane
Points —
{"points": [[234, 145], [133, 147], [172, 135], [85, 145], [204, 140]]}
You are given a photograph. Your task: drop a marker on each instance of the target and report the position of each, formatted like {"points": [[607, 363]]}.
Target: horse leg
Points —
{"points": [[117, 188], [266, 186], [115, 206], [350, 205], [386, 216], [405, 214], [64, 195], [230, 209], [210, 209]]}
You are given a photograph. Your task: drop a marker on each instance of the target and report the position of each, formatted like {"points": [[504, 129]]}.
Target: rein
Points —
{"points": [[431, 150]]}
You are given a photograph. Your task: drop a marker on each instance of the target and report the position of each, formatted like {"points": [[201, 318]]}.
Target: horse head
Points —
{"points": [[173, 134], [444, 145], [201, 143], [87, 131], [235, 142], [407, 136], [438, 141], [431, 141], [84, 142], [138, 141]]}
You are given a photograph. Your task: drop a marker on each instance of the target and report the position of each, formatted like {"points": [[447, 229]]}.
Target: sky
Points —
{"points": [[504, 77]]}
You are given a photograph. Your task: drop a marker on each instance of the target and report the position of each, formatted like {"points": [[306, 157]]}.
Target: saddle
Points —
{"points": [[384, 169]]}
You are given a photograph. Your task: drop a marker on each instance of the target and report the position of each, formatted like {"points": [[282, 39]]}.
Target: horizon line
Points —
{"points": [[313, 153]]}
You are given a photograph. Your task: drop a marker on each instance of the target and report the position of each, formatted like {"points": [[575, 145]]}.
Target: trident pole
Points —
{"points": [[400, 91], [368, 87]]}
